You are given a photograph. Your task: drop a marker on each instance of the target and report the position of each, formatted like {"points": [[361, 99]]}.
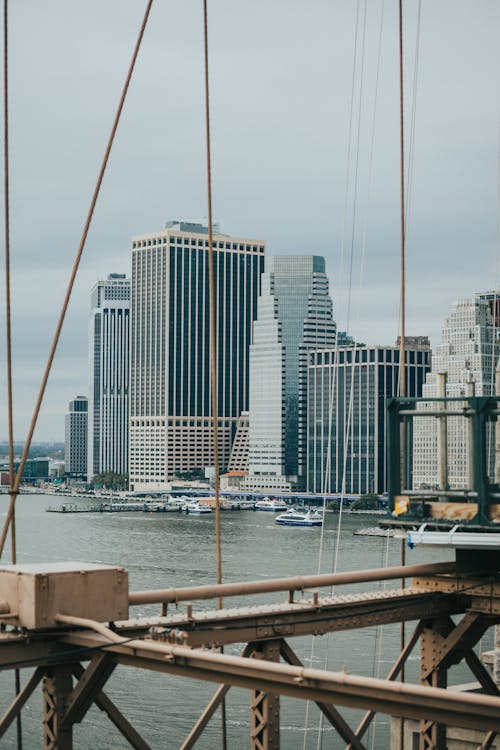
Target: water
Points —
{"points": [[162, 550]]}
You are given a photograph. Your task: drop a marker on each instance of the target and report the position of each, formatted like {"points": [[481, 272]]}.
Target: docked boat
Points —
{"points": [[299, 518], [196, 508], [271, 504]]}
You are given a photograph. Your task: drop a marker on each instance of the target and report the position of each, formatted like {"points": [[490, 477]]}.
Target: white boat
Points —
{"points": [[300, 518], [271, 504], [196, 508]]}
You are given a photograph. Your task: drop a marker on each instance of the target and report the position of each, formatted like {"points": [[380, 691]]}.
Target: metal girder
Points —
{"points": [[57, 686], [209, 711], [483, 593], [314, 616], [19, 701], [412, 701], [393, 675], [452, 642], [265, 706], [334, 717], [106, 704], [88, 687]]}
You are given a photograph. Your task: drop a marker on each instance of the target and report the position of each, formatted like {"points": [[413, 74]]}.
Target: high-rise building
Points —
{"points": [[76, 425], [170, 404], [347, 397], [467, 356], [109, 354], [294, 316]]}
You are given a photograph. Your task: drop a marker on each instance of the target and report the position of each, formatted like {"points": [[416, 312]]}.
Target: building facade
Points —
{"points": [[348, 390], [109, 355], [76, 428], [294, 317], [170, 404], [467, 356]]}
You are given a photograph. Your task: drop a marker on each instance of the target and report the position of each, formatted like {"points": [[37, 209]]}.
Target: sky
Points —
{"points": [[305, 155]]}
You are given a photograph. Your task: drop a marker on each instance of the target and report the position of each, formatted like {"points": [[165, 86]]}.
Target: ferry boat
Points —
{"points": [[298, 518], [196, 508], [271, 504]]}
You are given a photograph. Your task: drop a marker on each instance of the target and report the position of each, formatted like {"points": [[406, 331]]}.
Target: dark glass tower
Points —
{"points": [[170, 407]]}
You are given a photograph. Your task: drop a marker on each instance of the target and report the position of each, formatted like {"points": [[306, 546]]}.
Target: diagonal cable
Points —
{"points": [[74, 271]]}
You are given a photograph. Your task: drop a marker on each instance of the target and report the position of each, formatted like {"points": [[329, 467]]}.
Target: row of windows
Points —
{"points": [[198, 243]]}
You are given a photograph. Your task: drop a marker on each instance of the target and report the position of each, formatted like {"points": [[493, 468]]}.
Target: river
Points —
{"points": [[162, 550]]}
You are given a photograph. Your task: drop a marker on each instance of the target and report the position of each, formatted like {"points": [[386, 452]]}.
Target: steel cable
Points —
{"points": [[76, 263], [213, 340]]}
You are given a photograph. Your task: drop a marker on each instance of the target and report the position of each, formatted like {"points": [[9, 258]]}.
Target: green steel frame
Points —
{"points": [[481, 410]]}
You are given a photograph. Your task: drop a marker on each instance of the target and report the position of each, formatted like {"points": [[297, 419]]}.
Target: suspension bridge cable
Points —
{"points": [[213, 339], [8, 324], [327, 467], [74, 271]]}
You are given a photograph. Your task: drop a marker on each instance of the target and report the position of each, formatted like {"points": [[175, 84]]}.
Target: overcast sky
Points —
{"points": [[283, 75]]}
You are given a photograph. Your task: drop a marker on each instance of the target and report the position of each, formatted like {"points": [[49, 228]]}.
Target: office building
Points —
{"points": [[467, 356], [294, 316], [238, 460], [171, 429], [348, 391], [109, 354], [76, 427]]}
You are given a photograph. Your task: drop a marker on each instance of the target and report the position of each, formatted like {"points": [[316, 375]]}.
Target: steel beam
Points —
{"points": [[393, 675], [334, 717], [297, 583], [124, 727], [19, 701], [89, 686], [57, 686], [314, 616], [265, 706], [412, 701], [208, 712]]}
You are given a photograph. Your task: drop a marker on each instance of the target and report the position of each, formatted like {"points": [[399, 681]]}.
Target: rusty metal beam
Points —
{"points": [[297, 583], [305, 617], [19, 701], [57, 686], [209, 711], [334, 717], [264, 705], [89, 686], [412, 701], [393, 675], [114, 714], [452, 642]]}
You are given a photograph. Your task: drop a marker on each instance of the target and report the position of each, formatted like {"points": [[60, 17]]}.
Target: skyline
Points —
{"points": [[280, 114]]}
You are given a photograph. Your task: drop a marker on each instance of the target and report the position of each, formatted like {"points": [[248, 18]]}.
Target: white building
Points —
{"points": [[109, 354], [468, 354], [171, 428], [294, 317], [75, 457]]}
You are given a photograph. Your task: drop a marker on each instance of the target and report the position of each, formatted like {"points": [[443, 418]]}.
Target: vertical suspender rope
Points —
{"points": [[211, 281], [74, 271], [402, 364], [8, 324], [8, 337], [213, 338]]}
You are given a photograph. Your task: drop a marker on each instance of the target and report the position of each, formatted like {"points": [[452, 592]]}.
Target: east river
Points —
{"points": [[161, 550]]}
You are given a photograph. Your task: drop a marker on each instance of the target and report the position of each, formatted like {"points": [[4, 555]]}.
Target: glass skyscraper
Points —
{"points": [[109, 354], [347, 396], [170, 405], [75, 447], [294, 316]]}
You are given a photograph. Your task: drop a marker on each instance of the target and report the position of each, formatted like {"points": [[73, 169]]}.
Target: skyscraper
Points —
{"points": [[170, 404], [347, 397], [109, 352], [75, 457], [294, 317], [467, 356]]}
